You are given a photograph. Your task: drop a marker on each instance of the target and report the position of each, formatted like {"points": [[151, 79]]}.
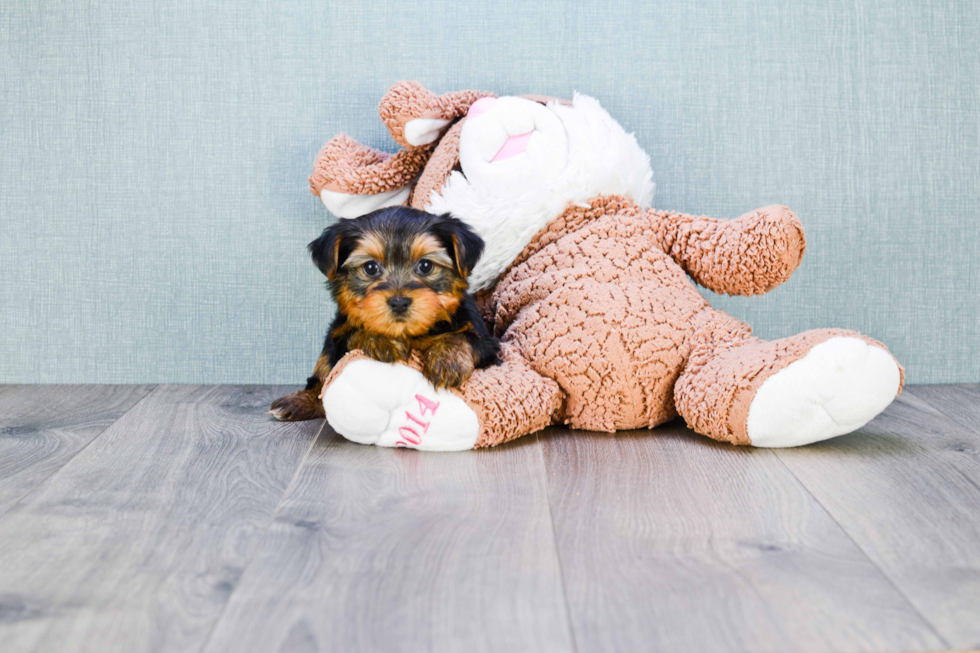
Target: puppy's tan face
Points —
{"points": [[398, 287]]}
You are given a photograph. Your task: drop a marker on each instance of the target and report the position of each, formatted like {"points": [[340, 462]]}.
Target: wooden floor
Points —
{"points": [[179, 518]]}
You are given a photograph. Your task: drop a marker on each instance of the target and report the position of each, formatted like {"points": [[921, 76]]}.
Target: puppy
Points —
{"points": [[398, 276]]}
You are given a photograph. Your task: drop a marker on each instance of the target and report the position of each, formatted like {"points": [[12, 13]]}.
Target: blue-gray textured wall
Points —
{"points": [[153, 160]]}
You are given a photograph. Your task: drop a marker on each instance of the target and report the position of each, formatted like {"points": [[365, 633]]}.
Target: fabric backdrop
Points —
{"points": [[154, 207]]}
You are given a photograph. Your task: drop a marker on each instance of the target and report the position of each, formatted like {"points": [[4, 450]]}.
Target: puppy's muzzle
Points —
{"points": [[399, 304]]}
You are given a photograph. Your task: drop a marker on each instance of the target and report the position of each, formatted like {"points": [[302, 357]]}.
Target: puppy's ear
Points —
{"points": [[332, 247], [460, 241]]}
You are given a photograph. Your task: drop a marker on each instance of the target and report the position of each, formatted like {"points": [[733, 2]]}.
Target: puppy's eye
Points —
{"points": [[371, 269], [424, 267]]}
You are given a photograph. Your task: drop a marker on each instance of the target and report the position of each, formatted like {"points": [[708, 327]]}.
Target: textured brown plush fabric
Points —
{"points": [[441, 164], [726, 368], [748, 256], [512, 400], [406, 101], [596, 304], [345, 166]]}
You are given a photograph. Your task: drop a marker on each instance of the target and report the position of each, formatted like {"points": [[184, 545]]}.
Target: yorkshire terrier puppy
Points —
{"points": [[398, 276]]}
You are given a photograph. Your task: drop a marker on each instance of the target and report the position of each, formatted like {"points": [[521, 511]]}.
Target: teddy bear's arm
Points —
{"points": [[366, 401], [747, 256]]}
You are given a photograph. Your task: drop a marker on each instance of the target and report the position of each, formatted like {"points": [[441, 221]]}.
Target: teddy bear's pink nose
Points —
{"points": [[481, 106]]}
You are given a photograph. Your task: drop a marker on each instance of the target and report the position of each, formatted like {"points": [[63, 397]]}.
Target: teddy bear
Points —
{"points": [[590, 290]]}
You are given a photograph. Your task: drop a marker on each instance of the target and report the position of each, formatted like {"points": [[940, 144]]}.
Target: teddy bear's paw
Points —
{"points": [[838, 387], [393, 405]]}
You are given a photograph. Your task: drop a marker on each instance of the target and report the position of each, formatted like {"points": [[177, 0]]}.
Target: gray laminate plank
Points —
{"points": [[906, 487], [671, 542], [395, 550], [43, 426], [136, 543], [960, 403]]}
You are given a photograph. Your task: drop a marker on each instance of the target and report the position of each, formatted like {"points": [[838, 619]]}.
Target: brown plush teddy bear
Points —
{"points": [[589, 289]]}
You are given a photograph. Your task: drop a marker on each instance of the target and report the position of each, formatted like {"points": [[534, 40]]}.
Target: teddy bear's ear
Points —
{"points": [[546, 99], [353, 179], [445, 158], [417, 117]]}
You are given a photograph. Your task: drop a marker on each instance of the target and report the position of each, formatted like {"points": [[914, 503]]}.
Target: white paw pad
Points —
{"points": [[393, 405], [838, 387]]}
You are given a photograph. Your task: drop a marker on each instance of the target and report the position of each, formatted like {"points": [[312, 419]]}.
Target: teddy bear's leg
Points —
{"points": [[785, 393], [512, 399], [393, 405]]}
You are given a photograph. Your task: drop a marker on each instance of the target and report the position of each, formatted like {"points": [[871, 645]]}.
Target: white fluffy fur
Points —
{"points": [[508, 209]]}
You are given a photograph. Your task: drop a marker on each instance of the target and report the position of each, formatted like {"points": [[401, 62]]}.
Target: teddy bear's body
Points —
{"points": [[598, 305], [589, 291]]}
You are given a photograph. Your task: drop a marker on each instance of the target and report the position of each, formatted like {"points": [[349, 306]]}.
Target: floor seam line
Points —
{"points": [[20, 499], [860, 548], [554, 541]]}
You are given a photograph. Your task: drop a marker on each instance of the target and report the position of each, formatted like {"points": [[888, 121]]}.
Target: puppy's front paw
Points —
{"points": [[448, 362], [297, 407], [381, 348]]}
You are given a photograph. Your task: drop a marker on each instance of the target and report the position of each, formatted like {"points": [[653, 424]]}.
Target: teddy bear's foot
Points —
{"points": [[393, 405], [836, 388]]}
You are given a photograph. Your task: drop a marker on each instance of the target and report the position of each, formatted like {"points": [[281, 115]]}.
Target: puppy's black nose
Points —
{"points": [[399, 304]]}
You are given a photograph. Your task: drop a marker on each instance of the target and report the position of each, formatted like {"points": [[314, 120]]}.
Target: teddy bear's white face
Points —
{"points": [[524, 162], [512, 142]]}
